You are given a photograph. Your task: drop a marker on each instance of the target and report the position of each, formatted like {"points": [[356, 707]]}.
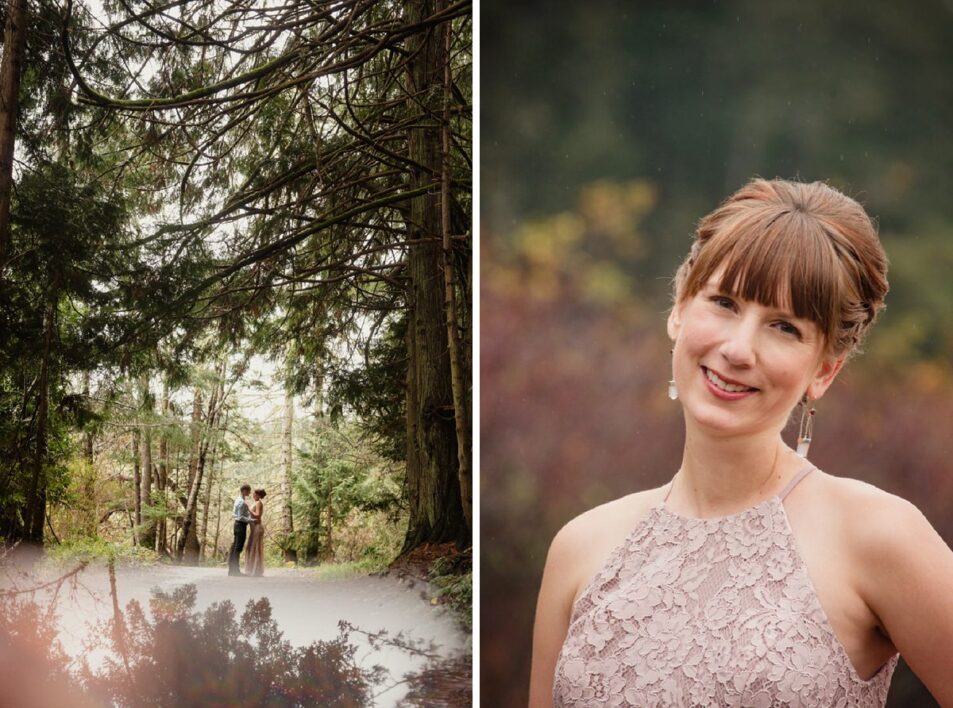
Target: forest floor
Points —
{"points": [[445, 574], [305, 607]]}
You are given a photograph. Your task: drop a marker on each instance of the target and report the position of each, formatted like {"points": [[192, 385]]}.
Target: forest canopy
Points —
{"points": [[190, 187]]}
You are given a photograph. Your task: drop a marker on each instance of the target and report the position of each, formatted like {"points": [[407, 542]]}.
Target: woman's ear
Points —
{"points": [[674, 323], [825, 375]]}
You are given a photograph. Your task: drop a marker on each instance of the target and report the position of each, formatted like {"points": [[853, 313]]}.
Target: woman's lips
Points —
{"points": [[723, 393]]}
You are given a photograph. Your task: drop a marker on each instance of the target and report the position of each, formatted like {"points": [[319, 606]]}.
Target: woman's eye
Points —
{"points": [[723, 301], [789, 328]]}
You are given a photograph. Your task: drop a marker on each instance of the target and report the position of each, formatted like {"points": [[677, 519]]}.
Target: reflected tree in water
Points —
{"points": [[180, 657], [173, 655], [444, 682]]}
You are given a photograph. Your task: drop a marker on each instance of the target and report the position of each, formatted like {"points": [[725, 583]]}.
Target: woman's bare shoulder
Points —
{"points": [[581, 546], [859, 495], [623, 512], [904, 570], [870, 516]]}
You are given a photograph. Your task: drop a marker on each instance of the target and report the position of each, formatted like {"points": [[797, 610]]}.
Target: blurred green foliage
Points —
{"points": [[693, 100]]}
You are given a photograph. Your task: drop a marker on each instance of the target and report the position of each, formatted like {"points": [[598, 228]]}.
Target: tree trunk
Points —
{"points": [[312, 536], [329, 505], [206, 503], [312, 542], [148, 535], [162, 476], [136, 487], [187, 549], [36, 494], [14, 40], [218, 508], [460, 408], [287, 449], [319, 396], [187, 519], [436, 511], [90, 517]]}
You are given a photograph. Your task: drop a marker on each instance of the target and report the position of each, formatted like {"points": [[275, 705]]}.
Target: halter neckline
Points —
{"points": [[780, 496]]}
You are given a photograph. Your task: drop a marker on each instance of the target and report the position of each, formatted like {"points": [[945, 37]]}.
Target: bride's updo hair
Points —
{"points": [[803, 247], [260, 493]]}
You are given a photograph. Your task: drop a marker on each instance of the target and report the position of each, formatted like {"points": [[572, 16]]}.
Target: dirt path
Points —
{"points": [[305, 608]]}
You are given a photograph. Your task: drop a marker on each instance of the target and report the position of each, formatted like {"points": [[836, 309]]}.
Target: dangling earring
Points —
{"points": [[806, 427], [672, 389]]}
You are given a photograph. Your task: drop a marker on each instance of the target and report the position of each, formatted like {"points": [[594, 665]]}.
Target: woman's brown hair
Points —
{"points": [[805, 247]]}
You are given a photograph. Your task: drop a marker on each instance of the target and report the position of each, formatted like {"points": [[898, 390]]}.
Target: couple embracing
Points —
{"points": [[246, 516]]}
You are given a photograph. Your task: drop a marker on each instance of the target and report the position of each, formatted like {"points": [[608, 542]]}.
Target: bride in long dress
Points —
{"points": [[255, 553]]}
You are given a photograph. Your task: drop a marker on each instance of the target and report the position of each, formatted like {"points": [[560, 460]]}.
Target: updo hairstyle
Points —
{"points": [[804, 247]]}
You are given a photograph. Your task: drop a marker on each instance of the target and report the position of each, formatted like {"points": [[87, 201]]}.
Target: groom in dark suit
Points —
{"points": [[242, 519]]}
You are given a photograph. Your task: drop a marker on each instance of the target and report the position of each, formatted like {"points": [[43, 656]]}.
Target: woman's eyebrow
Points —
{"points": [[716, 287], [786, 314], [782, 311]]}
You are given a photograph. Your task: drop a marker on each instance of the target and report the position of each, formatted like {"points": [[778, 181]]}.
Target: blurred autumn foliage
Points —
{"points": [[574, 367]]}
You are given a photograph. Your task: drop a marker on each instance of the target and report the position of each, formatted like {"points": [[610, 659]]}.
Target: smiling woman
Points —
{"points": [[753, 578]]}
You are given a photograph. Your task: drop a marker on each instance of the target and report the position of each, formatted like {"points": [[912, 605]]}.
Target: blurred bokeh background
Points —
{"points": [[608, 130]]}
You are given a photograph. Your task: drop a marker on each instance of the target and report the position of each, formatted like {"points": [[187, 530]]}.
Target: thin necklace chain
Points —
{"points": [[770, 475]]}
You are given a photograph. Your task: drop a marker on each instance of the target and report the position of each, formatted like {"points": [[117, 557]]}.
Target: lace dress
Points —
{"points": [[708, 612], [255, 551]]}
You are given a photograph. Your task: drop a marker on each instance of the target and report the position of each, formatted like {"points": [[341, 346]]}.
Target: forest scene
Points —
{"points": [[236, 249], [607, 131]]}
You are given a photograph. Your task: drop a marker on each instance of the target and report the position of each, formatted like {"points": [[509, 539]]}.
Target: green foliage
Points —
{"points": [[72, 511], [349, 569], [161, 508], [374, 391], [375, 538], [456, 590], [99, 549], [342, 484], [60, 227], [151, 231]]}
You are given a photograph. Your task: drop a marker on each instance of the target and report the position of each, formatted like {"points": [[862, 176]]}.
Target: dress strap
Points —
{"points": [[670, 485], [795, 480]]}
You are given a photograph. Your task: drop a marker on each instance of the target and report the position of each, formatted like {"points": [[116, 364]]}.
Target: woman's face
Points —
{"points": [[741, 367], [257, 497]]}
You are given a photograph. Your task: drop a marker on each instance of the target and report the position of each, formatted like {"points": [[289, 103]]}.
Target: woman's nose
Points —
{"points": [[738, 347]]}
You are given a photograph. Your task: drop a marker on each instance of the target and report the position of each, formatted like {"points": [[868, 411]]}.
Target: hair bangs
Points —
{"points": [[804, 248], [777, 258]]}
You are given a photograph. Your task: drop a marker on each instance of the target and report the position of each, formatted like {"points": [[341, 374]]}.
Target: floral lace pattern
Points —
{"points": [[708, 612]]}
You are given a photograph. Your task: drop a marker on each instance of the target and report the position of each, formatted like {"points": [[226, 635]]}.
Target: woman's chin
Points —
{"points": [[719, 425], [718, 421]]}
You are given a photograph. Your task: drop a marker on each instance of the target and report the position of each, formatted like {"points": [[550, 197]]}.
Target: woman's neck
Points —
{"points": [[721, 476]]}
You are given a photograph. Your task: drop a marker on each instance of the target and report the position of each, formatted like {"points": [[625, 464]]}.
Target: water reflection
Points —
{"points": [[175, 655]]}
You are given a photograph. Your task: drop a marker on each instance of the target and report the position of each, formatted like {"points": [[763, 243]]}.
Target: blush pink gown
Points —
{"points": [[709, 612], [255, 551]]}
